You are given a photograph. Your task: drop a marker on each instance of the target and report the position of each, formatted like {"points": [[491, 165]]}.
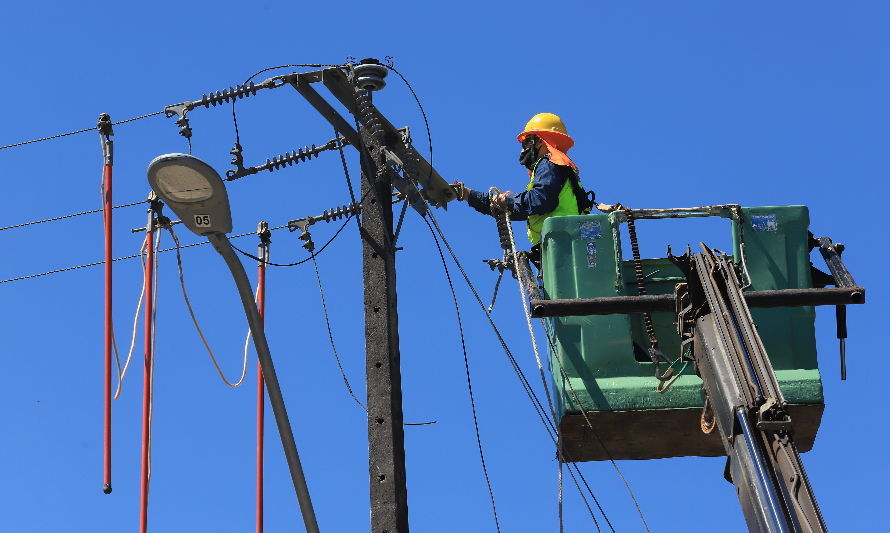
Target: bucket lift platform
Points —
{"points": [[598, 353]]}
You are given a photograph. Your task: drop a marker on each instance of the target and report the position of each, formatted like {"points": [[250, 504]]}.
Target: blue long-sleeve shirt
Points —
{"points": [[541, 199]]}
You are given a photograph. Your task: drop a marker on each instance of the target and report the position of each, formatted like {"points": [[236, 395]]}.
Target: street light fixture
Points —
{"points": [[197, 194]]}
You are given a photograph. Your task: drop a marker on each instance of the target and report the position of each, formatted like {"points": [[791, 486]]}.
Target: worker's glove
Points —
{"points": [[461, 191], [606, 208], [499, 201]]}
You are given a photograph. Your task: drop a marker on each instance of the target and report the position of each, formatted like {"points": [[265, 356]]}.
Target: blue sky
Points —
{"points": [[670, 104]]}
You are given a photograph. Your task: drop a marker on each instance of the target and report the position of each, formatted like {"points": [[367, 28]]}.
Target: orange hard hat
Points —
{"points": [[551, 129]]}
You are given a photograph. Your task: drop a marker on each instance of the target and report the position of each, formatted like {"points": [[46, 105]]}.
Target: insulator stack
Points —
{"points": [[503, 233], [290, 158], [228, 95], [283, 160], [339, 212], [368, 114]]}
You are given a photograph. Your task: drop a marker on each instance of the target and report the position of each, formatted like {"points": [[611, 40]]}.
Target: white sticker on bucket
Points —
{"points": [[589, 230], [764, 223], [591, 255]]}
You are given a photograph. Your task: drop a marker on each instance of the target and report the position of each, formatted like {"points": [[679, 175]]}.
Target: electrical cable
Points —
{"points": [[92, 128], [327, 322], [599, 440], [121, 373], [358, 217], [191, 311], [154, 337], [463, 346], [426, 122], [521, 282], [300, 262], [488, 312], [256, 296], [257, 73], [559, 493], [23, 224], [123, 258], [549, 424], [201, 243], [539, 408], [536, 403], [528, 319]]}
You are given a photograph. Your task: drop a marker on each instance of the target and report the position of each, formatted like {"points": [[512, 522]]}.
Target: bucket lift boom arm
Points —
{"points": [[743, 397]]}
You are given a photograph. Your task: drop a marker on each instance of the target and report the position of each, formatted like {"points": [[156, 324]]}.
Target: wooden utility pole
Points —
{"points": [[386, 438]]}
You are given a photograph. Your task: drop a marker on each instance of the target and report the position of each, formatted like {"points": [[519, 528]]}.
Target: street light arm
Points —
{"points": [[222, 245]]}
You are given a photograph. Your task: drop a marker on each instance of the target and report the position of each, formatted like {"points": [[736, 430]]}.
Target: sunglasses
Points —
{"points": [[530, 141]]}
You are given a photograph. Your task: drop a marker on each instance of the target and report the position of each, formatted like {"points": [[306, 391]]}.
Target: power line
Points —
{"points": [[93, 128], [57, 271], [23, 224]]}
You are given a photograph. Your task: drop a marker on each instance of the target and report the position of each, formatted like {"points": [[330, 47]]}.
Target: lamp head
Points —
{"points": [[193, 190]]}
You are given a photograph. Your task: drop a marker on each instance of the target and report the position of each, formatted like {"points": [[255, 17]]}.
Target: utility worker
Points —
{"points": [[553, 188]]}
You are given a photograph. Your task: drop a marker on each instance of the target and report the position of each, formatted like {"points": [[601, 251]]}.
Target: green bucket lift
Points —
{"points": [[600, 363]]}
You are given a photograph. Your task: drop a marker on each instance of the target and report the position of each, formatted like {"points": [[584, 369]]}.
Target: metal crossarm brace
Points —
{"points": [[435, 188]]}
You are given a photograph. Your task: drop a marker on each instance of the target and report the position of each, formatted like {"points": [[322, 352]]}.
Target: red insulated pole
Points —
{"points": [[147, 376], [105, 133], [263, 232]]}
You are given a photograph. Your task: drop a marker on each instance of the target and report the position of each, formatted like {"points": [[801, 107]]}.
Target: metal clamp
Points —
{"points": [[104, 125]]}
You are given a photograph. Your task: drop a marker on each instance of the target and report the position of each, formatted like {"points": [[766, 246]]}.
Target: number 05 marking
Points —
{"points": [[202, 221]]}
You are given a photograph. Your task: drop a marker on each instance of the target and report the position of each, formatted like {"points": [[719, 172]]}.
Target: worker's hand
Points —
{"points": [[499, 201], [606, 208], [460, 190]]}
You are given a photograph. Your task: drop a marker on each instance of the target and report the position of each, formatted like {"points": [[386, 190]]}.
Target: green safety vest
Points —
{"points": [[568, 205]]}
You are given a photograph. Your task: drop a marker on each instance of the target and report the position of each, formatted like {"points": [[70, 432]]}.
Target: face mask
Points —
{"points": [[529, 153]]}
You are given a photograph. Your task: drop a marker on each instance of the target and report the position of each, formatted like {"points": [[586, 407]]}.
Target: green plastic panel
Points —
{"points": [[604, 356]]}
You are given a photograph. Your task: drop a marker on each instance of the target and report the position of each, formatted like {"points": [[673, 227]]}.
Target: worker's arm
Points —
{"points": [[479, 201], [543, 197]]}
